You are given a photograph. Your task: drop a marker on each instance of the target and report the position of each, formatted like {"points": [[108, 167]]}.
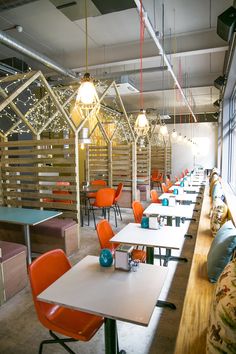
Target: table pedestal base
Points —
{"points": [[111, 338]]}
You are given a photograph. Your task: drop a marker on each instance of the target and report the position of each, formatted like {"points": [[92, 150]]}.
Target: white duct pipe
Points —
{"points": [[19, 47], [152, 33]]}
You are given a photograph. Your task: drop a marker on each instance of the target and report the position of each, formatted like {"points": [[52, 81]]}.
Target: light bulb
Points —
{"points": [[141, 121], [86, 93], [82, 146], [141, 126], [179, 137], [174, 134], [163, 129]]}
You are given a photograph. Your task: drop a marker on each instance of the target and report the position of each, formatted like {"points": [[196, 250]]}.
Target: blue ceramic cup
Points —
{"points": [[145, 222], [105, 258], [175, 191], [165, 202], [181, 184]]}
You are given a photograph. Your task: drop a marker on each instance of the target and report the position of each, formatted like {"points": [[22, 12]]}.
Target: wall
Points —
{"points": [[205, 134]]}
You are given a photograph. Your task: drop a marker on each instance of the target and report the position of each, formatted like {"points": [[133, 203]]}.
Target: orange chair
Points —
{"points": [[164, 188], [154, 196], [96, 182], [105, 233], [66, 201], [138, 211], [104, 200], [75, 325], [117, 197]]}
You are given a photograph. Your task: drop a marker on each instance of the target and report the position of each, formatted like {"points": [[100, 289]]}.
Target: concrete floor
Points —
{"points": [[21, 332]]}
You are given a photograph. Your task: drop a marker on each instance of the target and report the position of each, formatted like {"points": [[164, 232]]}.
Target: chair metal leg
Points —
{"points": [[118, 207], [115, 215], [58, 340]]}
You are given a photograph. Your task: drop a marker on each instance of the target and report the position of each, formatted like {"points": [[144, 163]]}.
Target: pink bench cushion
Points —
{"points": [[10, 249], [53, 227]]}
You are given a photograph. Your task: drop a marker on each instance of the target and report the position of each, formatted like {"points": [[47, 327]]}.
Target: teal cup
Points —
{"points": [[145, 222], [175, 191], [165, 202]]}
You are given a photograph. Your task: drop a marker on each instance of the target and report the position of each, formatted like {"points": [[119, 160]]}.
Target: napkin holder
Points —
{"points": [[123, 257], [172, 200], [153, 222]]}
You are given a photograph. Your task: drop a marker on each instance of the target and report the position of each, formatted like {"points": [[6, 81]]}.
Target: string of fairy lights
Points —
{"points": [[35, 103]]}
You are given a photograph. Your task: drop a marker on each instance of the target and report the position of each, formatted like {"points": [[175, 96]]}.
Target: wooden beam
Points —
{"points": [[16, 93], [18, 112], [57, 103]]}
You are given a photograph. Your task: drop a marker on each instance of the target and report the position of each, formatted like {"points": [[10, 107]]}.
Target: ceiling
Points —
{"points": [[194, 49]]}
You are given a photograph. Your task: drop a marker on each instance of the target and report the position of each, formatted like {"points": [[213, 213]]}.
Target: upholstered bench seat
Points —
{"points": [[51, 234], [55, 233], [13, 269]]}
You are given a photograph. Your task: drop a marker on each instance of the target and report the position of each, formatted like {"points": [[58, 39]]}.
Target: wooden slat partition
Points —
{"points": [[122, 165], [143, 165], [161, 159], [97, 162], [30, 170]]}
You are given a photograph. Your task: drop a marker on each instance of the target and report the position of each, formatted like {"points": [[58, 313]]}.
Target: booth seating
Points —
{"points": [[55, 233], [13, 269], [191, 337], [51, 234]]}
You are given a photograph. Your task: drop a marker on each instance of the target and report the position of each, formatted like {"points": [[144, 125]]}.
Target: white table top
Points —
{"points": [[116, 294], [178, 210], [190, 189], [167, 236], [180, 197]]}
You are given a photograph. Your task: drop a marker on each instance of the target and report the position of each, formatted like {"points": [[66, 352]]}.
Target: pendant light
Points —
{"points": [[87, 95], [141, 126]]}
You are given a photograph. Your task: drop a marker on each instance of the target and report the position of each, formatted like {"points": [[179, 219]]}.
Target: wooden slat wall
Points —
{"points": [[143, 164], [122, 165], [97, 163], [161, 159], [30, 170]]}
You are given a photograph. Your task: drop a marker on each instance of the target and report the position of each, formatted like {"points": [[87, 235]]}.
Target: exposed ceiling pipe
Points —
{"points": [[31, 53], [152, 33], [131, 72]]}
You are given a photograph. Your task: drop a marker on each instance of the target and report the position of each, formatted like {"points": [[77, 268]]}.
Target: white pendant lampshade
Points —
{"points": [[179, 138], [174, 134], [86, 93], [141, 126], [163, 129]]}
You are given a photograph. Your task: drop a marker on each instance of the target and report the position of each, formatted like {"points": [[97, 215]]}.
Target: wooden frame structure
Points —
{"points": [[31, 169]]}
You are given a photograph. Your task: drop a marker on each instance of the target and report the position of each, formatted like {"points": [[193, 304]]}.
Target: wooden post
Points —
{"points": [[110, 176], [77, 181], [134, 170]]}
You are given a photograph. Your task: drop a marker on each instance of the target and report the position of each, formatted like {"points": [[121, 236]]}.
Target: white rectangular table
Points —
{"points": [[180, 197], [167, 237], [177, 211], [26, 217], [113, 294], [186, 189]]}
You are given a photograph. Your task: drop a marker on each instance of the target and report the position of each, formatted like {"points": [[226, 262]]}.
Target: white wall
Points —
{"points": [[205, 135]]}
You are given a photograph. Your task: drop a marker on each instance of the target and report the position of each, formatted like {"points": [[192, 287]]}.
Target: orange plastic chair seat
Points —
{"points": [[74, 323], [140, 255]]}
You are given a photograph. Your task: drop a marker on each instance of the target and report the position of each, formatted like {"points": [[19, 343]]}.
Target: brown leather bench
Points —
{"points": [[13, 269], [53, 233]]}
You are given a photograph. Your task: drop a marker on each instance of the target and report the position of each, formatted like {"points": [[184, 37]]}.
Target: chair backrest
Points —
{"points": [[98, 182], [138, 211], [43, 272], [105, 197], [105, 233], [155, 173], [154, 196], [164, 188], [118, 192]]}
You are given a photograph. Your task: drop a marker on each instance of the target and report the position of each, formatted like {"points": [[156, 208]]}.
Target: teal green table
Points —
{"points": [[26, 217]]}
